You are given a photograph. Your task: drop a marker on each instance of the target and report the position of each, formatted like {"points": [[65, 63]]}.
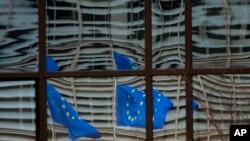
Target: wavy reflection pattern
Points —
{"points": [[82, 34], [18, 35], [223, 100], [220, 33]]}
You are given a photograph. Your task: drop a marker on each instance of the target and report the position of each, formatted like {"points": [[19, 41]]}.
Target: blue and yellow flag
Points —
{"points": [[131, 107], [63, 113]]}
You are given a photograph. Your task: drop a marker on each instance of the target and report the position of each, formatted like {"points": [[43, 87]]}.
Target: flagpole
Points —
{"points": [[114, 87], [52, 128], [177, 106], [114, 111], [47, 52], [114, 79]]}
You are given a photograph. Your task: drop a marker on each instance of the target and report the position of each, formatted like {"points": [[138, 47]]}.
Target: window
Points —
{"points": [[185, 50]]}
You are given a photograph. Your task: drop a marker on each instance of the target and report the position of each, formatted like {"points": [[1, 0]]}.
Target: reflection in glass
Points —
{"points": [[223, 100], [82, 35], [17, 111], [18, 35], [173, 88], [94, 98], [168, 34], [220, 33]]}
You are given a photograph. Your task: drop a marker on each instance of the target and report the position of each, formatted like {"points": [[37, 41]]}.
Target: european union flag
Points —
{"points": [[131, 107], [63, 113], [123, 62], [195, 105], [51, 65]]}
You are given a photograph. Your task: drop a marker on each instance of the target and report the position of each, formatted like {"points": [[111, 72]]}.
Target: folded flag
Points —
{"points": [[63, 113], [131, 107], [123, 62], [51, 65], [195, 105], [161, 106]]}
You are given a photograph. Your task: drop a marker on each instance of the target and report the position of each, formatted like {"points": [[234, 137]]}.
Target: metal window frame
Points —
{"points": [[41, 76]]}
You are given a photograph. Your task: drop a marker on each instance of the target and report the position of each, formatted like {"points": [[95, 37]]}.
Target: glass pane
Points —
{"points": [[222, 100], [17, 111], [170, 107], [168, 34], [113, 106], [89, 35], [18, 35], [220, 33]]}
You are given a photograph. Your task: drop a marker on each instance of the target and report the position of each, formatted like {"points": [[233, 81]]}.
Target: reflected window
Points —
{"points": [[96, 101], [223, 101], [18, 36], [220, 33], [168, 34], [17, 110], [82, 35]]}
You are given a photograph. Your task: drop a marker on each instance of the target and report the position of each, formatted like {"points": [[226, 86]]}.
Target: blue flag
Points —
{"points": [[51, 65], [123, 62], [131, 107], [195, 105], [63, 113]]}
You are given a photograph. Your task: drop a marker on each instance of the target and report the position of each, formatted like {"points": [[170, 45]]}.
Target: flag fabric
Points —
{"points": [[123, 62], [161, 106], [131, 107], [51, 65], [63, 113], [195, 105]]}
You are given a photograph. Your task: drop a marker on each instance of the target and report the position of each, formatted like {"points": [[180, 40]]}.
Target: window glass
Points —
{"points": [[17, 111], [169, 108], [168, 34], [88, 35], [220, 33], [114, 107], [222, 100], [18, 36]]}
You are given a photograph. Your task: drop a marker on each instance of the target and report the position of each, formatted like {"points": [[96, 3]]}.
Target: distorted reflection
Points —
{"points": [[84, 34]]}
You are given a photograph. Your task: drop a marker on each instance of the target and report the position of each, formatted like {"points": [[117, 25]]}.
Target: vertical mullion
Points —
{"points": [[148, 68], [188, 67], [41, 118]]}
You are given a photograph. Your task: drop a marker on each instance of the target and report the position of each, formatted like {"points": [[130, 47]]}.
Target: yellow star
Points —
{"points": [[62, 98], [63, 106], [141, 103], [73, 117], [129, 117], [158, 100], [138, 112], [67, 113], [133, 90]]}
